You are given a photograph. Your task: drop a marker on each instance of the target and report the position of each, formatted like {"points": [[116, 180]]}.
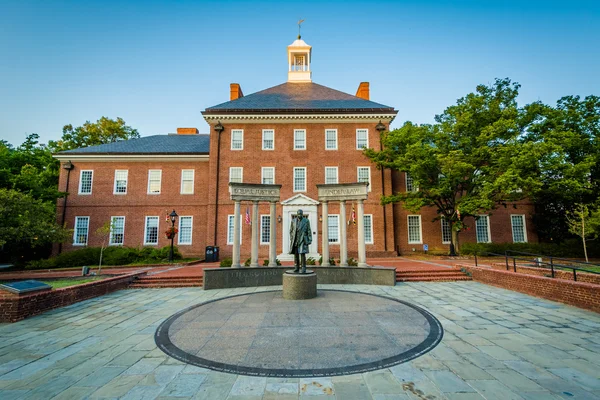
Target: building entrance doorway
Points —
{"points": [[290, 208]]}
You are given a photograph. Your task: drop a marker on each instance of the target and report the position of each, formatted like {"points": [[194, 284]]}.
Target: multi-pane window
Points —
{"points": [[368, 221], [187, 181], [151, 234], [446, 232], [298, 63], [331, 139], [117, 231], [362, 138], [121, 181], [299, 139], [331, 175], [85, 182], [333, 228], [518, 228], [364, 175], [414, 229], [299, 179], [230, 229], [268, 175], [185, 230], [410, 184], [80, 234], [236, 174], [482, 229], [265, 229], [268, 139], [237, 139], [154, 180]]}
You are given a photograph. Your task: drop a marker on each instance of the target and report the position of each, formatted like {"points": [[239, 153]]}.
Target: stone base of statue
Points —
{"points": [[297, 286]]}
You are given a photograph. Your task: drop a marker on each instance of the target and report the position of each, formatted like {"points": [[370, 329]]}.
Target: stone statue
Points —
{"points": [[300, 238]]}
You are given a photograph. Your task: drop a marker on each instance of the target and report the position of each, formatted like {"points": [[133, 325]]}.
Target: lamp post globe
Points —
{"points": [[173, 216]]}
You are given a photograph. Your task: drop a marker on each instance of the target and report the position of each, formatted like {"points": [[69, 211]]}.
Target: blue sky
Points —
{"points": [[158, 64]]}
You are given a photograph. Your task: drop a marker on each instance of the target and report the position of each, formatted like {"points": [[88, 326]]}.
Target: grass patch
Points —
{"points": [[61, 283]]}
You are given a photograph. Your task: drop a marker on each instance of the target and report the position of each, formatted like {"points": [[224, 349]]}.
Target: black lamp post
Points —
{"points": [[173, 216]]}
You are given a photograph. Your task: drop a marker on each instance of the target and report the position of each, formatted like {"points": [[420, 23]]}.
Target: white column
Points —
{"points": [[325, 234], [273, 237], [255, 238], [343, 239], [235, 262], [362, 250]]}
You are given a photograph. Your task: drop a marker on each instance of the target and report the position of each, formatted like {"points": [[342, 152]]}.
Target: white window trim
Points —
{"points": [[357, 176], [146, 230], [241, 173], [262, 174], [420, 229], [233, 228], [489, 232], [294, 180], [305, 139], [367, 145], [336, 139], [414, 188], [193, 181], [159, 181], [87, 233], [442, 228], [110, 237], [81, 181], [372, 241], [337, 175], [126, 182], [512, 231], [338, 228], [179, 243], [261, 228], [263, 139], [231, 145]]}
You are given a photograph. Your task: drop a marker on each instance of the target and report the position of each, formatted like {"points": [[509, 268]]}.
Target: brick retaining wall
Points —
{"points": [[559, 274], [14, 307], [579, 294]]}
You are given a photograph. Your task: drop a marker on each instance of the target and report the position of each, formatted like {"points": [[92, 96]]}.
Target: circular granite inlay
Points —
{"points": [[336, 333]]}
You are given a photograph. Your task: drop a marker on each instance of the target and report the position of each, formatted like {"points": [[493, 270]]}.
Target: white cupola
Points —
{"points": [[299, 54]]}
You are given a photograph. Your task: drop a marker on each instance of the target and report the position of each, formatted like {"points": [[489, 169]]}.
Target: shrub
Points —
{"points": [[352, 262], [247, 263], [331, 261], [571, 248], [226, 263], [311, 261]]}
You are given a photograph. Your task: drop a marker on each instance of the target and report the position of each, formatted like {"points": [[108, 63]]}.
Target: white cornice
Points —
{"points": [[131, 157], [307, 118]]}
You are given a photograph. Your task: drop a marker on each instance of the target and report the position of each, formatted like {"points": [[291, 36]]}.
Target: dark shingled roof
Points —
{"points": [[157, 144], [299, 97]]}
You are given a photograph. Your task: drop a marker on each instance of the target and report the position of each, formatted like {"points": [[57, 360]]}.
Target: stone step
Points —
{"points": [[162, 278], [164, 285], [434, 279], [440, 273]]}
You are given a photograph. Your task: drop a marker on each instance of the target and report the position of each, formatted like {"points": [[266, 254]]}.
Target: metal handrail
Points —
{"points": [[539, 261], [555, 258]]}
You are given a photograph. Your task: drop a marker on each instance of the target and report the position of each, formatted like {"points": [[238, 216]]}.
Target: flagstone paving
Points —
{"points": [[497, 344]]}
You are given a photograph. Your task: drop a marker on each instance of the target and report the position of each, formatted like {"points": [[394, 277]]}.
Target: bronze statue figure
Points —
{"points": [[300, 238]]}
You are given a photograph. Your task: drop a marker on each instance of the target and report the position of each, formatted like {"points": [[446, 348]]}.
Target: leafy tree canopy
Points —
{"points": [[105, 130], [470, 161]]}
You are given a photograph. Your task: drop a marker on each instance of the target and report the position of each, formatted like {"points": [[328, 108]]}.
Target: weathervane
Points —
{"points": [[299, 26]]}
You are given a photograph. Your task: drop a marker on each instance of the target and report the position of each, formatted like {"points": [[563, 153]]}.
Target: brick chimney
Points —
{"points": [[363, 91], [187, 131], [235, 91]]}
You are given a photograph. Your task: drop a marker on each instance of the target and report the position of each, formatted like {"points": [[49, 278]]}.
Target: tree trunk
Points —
{"points": [[453, 241], [100, 263], [583, 236]]}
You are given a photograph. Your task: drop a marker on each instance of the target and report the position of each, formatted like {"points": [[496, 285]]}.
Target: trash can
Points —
{"points": [[212, 254]]}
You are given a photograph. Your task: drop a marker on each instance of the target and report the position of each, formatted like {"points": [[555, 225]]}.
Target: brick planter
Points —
{"points": [[579, 294], [14, 307], [559, 274]]}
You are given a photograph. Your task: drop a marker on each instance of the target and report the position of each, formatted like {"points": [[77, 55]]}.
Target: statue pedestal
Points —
{"points": [[299, 286]]}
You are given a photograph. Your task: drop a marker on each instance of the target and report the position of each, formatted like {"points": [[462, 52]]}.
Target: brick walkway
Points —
{"points": [[497, 344]]}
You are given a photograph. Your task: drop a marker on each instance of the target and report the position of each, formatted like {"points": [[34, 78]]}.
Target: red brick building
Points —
{"points": [[297, 134]]}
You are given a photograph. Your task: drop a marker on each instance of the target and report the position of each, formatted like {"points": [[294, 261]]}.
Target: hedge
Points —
{"points": [[112, 256], [571, 248]]}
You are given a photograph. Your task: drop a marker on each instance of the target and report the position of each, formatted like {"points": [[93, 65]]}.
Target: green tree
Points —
{"points": [[584, 223], [572, 178], [105, 130], [103, 233], [469, 162], [27, 222]]}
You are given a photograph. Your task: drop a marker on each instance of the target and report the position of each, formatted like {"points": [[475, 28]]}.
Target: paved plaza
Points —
{"points": [[497, 344]]}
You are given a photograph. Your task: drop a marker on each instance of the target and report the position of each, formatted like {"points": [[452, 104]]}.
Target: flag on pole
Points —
{"points": [[248, 216]]}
